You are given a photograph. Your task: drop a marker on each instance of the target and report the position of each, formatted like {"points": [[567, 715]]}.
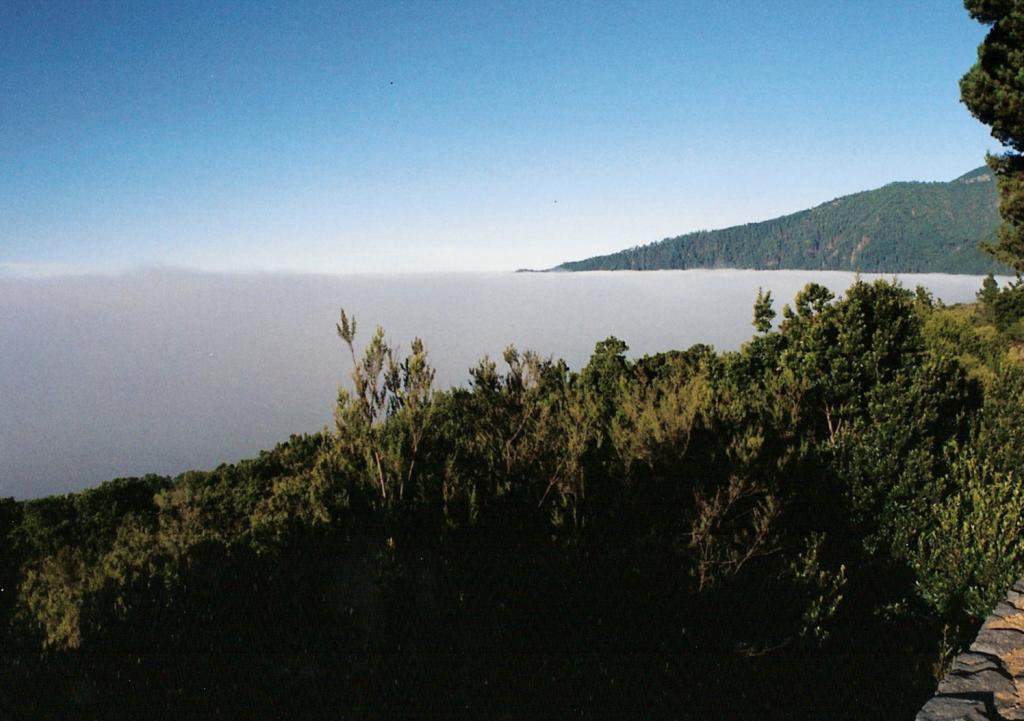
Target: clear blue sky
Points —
{"points": [[453, 136]]}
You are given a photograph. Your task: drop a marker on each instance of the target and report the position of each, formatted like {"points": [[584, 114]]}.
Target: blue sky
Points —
{"points": [[350, 137]]}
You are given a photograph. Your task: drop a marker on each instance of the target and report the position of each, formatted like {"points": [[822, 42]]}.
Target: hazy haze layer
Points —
{"points": [[106, 376]]}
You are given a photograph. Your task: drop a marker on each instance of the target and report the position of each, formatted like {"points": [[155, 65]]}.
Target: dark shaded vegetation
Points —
{"points": [[902, 227], [806, 528]]}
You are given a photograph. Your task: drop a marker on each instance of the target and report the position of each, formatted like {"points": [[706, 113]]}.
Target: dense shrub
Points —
{"points": [[847, 481]]}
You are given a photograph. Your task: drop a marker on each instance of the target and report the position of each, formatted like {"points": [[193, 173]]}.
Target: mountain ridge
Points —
{"points": [[904, 226]]}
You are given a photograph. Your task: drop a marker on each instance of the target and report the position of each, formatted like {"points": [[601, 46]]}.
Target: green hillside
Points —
{"points": [[902, 227]]}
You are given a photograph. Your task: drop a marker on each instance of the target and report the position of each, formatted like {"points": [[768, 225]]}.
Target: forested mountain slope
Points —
{"points": [[901, 227]]}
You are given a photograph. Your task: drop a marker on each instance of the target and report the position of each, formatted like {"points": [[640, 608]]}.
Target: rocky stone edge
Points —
{"points": [[986, 682]]}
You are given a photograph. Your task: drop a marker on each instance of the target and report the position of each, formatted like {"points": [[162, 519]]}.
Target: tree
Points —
{"points": [[385, 420], [993, 90], [989, 291], [764, 314]]}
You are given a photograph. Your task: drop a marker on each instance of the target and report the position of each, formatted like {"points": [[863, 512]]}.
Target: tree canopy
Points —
{"points": [[688, 531], [993, 90], [901, 227]]}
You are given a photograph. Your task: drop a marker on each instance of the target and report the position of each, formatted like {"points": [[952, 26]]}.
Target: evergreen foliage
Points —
{"points": [[764, 314], [900, 228], [690, 532], [993, 90]]}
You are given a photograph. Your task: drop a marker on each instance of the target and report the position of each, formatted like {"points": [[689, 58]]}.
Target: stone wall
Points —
{"points": [[986, 682]]}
